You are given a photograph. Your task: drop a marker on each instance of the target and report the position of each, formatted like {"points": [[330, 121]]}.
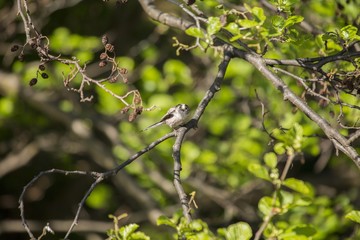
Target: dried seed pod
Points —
{"points": [[14, 48], [44, 75], [104, 40], [132, 117], [103, 56], [125, 110], [137, 99], [139, 110], [102, 63], [123, 70], [42, 67], [109, 47], [21, 57], [113, 80], [33, 81], [33, 44]]}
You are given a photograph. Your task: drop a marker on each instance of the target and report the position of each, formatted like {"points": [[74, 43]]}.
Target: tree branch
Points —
{"points": [[339, 141], [165, 18], [215, 87]]}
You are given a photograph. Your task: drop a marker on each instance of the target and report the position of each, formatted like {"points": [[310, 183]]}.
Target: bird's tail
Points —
{"points": [[152, 126]]}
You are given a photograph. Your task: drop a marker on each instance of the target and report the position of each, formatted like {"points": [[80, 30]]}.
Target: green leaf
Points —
{"points": [[300, 230], [285, 199], [259, 171], [139, 236], [349, 32], [303, 201], [214, 25], [279, 148], [270, 159], [330, 36], [278, 21], [163, 220], [298, 185], [233, 28], [259, 15], [194, 32], [353, 216], [238, 231], [127, 230], [293, 20], [265, 205], [298, 138], [196, 225], [247, 23]]}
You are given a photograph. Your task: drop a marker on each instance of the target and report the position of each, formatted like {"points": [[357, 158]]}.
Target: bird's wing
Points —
{"points": [[168, 115]]}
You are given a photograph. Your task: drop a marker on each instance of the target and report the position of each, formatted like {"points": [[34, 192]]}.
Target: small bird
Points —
{"points": [[175, 117]]}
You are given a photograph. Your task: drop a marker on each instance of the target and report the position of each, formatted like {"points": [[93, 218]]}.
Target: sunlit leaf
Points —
{"points": [[270, 159], [299, 231], [238, 231], [259, 171], [278, 21], [279, 148], [127, 230], [233, 28], [293, 20], [259, 15], [214, 25], [248, 23], [353, 216], [297, 185], [349, 33], [163, 220], [195, 32], [265, 205]]}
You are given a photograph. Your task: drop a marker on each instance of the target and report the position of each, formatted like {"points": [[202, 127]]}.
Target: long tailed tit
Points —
{"points": [[175, 117]]}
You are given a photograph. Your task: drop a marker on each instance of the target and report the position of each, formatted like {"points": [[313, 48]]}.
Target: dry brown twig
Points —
{"points": [[41, 46]]}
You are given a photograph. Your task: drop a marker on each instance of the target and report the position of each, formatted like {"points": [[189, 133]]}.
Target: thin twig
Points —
{"points": [[273, 211]]}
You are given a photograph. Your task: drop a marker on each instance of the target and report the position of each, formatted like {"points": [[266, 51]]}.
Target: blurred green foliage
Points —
{"points": [[230, 150]]}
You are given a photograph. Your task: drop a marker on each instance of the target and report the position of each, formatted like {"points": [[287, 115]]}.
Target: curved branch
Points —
{"points": [[165, 18], [21, 198], [99, 177]]}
